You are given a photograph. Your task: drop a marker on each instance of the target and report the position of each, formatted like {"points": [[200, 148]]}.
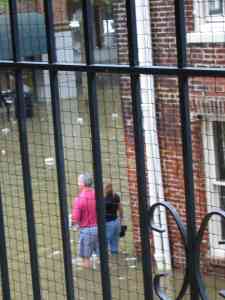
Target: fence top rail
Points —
{"points": [[111, 68]]}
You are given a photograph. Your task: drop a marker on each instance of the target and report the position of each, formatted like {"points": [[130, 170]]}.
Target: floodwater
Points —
{"points": [[126, 269]]}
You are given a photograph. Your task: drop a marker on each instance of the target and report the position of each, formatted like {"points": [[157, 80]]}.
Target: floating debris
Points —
{"points": [[121, 278], [77, 261], [5, 131], [132, 267], [131, 259], [114, 116], [49, 161], [54, 253], [80, 121], [3, 152]]}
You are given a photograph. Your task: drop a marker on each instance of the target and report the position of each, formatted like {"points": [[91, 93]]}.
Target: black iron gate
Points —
{"points": [[190, 236]]}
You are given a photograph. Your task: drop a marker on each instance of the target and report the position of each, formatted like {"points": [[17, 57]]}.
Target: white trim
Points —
{"points": [[219, 183], [207, 29], [206, 37], [212, 190], [161, 241]]}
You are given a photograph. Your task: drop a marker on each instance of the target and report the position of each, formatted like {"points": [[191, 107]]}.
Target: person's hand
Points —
{"points": [[75, 227]]}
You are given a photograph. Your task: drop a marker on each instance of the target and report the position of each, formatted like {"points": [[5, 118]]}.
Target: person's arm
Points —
{"points": [[76, 212], [120, 208], [121, 212]]}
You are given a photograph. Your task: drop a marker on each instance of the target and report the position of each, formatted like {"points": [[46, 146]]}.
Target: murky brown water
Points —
{"points": [[126, 270]]}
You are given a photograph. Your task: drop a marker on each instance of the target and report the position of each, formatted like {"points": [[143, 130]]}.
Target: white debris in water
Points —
{"points": [[54, 253], [129, 122], [114, 116], [3, 152], [5, 131], [131, 259], [121, 278], [80, 121], [133, 267], [77, 261], [49, 161]]}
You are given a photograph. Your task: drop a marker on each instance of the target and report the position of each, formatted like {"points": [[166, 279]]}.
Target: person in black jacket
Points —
{"points": [[114, 218]]}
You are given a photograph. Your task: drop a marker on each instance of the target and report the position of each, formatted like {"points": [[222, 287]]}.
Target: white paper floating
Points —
{"points": [[80, 121], [77, 261], [3, 152], [54, 253], [133, 267], [122, 278], [5, 131], [49, 161], [131, 259], [114, 116]]}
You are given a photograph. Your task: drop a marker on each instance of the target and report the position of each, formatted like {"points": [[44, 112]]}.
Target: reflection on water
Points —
{"points": [[78, 158], [126, 269]]}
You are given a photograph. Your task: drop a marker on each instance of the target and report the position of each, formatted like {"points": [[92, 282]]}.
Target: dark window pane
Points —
{"points": [[215, 7]]}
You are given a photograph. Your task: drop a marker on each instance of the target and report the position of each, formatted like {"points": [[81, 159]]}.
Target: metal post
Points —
{"points": [[139, 151], [21, 113], [96, 148], [59, 151], [3, 256], [187, 148]]}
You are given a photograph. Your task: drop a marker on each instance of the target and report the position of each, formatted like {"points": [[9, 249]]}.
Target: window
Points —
{"points": [[215, 8], [219, 145], [214, 157], [209, 22]]}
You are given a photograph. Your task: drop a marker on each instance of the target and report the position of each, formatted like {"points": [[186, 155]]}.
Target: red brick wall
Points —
{"points": [[202, 95], [169, 129], [59, 8]]}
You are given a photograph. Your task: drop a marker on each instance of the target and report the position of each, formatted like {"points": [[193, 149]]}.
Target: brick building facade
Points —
{"points": [[206, 97]]}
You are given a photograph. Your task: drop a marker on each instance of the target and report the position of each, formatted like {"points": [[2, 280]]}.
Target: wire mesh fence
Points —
{"points": [[71, 103]]}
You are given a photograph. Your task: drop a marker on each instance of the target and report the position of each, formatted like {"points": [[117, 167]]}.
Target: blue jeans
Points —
{"points": [[88, 243], [113, 235]]}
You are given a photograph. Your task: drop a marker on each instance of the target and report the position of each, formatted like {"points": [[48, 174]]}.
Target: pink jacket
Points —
{"points": [[84, 209]]}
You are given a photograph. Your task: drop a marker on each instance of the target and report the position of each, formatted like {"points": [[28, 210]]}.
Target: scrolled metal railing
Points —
{"points": [[183, 232]]}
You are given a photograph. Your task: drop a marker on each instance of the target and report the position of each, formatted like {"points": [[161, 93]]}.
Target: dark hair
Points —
{"points": [[108, 189]]}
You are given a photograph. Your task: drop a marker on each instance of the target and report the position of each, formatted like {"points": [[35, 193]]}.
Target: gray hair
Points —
{"points": [[86, 179]]}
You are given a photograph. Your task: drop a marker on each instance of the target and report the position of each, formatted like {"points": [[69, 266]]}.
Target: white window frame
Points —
{"points": [[212, 189], [207, 29]]}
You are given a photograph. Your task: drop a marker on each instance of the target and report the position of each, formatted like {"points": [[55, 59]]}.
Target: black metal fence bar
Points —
{"points": [[139, 150], [187, 149], [59, 152], [96, 148], [6, 294], [21, 113], [111, 68]]}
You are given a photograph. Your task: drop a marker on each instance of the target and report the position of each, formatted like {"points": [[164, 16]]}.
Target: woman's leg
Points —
{"points": [[86, 262], [114, 238], [85, 250]]}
